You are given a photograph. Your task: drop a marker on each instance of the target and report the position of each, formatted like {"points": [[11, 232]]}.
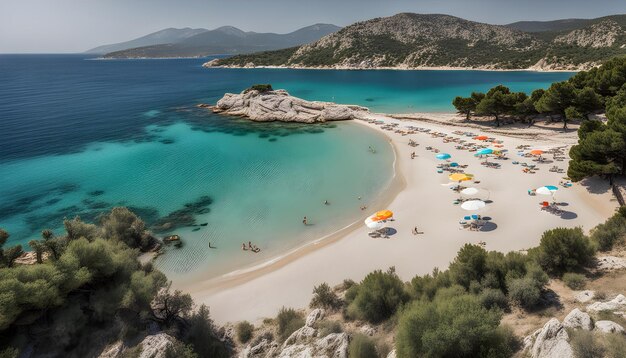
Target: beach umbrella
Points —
{"points": [[443, 156], [454, 164], [484, 151], [481, 137], [547, 190], [469, 191], [382, 215], [375, 225], [460, 177], [473, 205], [536, 152]]}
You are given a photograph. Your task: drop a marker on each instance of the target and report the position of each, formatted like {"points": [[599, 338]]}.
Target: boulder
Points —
{"points": [[609, 263], [609, 327], [301, 335], [615, 304], [154, 346], [334, 345], [279, 105], [112, 351], [392, 354], [552, 341], [314, 316], [579, 320], [584, 296]]}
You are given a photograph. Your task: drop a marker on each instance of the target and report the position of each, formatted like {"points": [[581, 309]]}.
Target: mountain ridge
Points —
{"points": [[408, 41], [226, 40]]}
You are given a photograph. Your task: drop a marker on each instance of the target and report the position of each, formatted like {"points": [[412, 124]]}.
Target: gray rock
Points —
{"points": [[278, 105], [392, 354], [368, 330], [584, 296], [334, 345], [609, 263], [314, 316], [301, 335], [609, 327], [112, 351], [615, 304], [154, 346], [579, 320], [552, 341]]}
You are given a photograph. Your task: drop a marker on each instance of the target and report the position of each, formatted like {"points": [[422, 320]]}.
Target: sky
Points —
{"points": [[60, 26]]}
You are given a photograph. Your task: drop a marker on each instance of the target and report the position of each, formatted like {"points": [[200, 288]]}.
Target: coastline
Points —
{"points": [[349, 253], [384, 68]]}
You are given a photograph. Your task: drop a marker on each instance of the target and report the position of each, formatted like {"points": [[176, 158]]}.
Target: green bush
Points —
{"points": [[378, 296], [611, 232], [327, 327], [524, 292], [324, 297], [562, 250], [244, 331], [469, 265], [585, 344], [362, 346], [575, 281], [426, 286], [260, 87], [493, 298], [458, 326], [289, 320]]}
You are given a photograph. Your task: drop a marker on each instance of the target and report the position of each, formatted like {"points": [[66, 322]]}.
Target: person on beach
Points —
{"points": [[305, 221], [243, 246], [363, 207], [250, 245]]}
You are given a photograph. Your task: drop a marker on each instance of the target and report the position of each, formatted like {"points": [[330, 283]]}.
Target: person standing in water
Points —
{"points": [[305, 221]]}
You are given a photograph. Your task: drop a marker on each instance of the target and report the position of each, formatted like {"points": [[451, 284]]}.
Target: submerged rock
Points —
{"points": [[278, 105]]}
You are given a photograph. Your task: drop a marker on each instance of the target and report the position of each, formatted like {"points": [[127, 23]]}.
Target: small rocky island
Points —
{"points": [[261, 103]]}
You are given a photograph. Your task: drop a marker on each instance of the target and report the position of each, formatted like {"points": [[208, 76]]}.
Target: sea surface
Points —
{"points": [[80, 136]]}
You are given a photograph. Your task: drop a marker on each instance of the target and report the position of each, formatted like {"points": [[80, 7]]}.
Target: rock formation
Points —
{"points": [[578, 319], [609, 327], [278, 105], [550, 341], [617, 303]]}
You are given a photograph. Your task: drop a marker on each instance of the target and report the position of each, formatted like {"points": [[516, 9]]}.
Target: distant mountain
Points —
{"points": [[416, 41], [226, 40], [165, 36]]}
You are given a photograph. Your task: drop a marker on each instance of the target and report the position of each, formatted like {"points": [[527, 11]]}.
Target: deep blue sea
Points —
{"points": [[80, 136]]}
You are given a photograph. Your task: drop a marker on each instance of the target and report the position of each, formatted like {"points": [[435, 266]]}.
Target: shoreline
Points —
{"points": [[395, 186], [385, 68], [349, 253]]}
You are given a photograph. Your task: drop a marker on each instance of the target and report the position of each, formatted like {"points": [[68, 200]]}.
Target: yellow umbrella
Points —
{"points": [[382, 215], [460, 177]]}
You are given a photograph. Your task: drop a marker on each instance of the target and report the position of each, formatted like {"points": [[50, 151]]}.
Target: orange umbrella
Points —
{"points": [[382, 215], [481, 137], [536, 152]]}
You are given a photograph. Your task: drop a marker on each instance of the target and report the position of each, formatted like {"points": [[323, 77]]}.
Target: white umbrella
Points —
{"points": [[469, 191], [473, 205], [546, 190], [375, 225]]}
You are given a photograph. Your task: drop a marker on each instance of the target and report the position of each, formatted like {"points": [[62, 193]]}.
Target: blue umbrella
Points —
{"points": [[454, 164], [552, 187], [443, 156], [484, 151]]}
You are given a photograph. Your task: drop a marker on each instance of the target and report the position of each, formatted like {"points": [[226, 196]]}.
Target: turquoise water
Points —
{"points": [[83, 136]]}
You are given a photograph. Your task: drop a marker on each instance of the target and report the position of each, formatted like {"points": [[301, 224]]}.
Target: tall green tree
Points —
{"points": [[559, 97], [498, 101]]}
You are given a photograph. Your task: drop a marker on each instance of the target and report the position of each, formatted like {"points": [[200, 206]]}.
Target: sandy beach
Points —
{"points": [[421, 199]]}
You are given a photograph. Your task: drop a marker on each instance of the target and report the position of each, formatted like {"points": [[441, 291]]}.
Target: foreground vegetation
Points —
{"points": [[88, 289]]}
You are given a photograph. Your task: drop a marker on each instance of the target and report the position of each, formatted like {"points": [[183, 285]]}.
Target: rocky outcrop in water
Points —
{"points": [[278, 105]]}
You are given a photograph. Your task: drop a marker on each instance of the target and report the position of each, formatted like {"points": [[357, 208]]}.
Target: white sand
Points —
{"points": [[424, 203]]}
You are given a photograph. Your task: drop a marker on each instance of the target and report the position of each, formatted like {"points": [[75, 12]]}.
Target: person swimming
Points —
{"points": [[326, 202]]}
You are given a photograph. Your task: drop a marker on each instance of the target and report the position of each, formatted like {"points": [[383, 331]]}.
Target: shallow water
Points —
{"points": [[83, 136]]}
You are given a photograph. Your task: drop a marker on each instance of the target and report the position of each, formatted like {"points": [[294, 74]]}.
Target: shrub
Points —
{"points": [[244, 331], [362, 346], [612, 231], [575, 281], [585, 345], [493, 298], [328, 327], [524, 292], [426, 286], [616, 345], [562, 250], [378, 296], [260, 87], [324, 297], [469, 265], [179, 350], [455, 327], [289, 320], [346, 284]]}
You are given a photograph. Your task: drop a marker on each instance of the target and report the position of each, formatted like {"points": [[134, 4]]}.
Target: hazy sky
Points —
{"points": [[77, 25]]}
